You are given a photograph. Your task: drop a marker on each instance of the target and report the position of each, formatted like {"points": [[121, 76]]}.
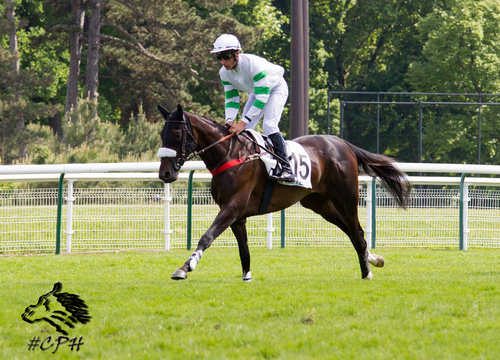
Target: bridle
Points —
{"points": [[187, 148]]}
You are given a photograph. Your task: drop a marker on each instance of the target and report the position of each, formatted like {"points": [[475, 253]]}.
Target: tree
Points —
{"points": [[15, 62], [159, 52], [460, 48], [77, 22], [460, 54], [17, 89], [9, 9], [43, 48], [94, 39]]}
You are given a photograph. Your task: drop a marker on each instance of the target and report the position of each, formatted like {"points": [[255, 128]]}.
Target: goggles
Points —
{"points": [[225, 55]]}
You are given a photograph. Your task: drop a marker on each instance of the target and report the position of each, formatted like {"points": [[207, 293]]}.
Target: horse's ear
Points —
{"points": [[164, 112], [179, 109], [57, 288]]}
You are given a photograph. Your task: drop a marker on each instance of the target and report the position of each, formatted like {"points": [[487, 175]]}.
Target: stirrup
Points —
{"points": [[285, 175]]}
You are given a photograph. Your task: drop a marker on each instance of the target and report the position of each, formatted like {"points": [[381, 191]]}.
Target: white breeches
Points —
{"points": [[272, 110]]}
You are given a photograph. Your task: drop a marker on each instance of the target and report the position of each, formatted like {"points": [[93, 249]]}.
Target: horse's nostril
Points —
{"points": [[166, 175]]}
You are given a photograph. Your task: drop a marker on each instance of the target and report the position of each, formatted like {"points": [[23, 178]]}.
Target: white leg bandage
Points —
{"points": [[195, 258]]}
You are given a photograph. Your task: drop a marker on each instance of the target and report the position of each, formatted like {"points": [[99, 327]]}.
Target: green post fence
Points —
{"points": [[190, 210], [59, 214]]}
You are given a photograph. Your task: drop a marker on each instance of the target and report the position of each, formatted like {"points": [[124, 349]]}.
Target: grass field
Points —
{"points": [[302, 304]]}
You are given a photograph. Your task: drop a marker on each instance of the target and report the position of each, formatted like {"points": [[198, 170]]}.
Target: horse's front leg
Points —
{"points": [[225, 218], [240, 231]]}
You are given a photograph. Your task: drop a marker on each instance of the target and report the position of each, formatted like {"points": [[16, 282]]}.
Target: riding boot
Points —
{"points": [[286, 173]]}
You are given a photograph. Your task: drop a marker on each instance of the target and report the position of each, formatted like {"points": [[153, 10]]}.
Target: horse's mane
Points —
{"points": [[221, 127]]}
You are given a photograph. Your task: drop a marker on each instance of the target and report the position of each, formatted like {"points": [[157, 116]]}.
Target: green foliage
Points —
{"points": [[141, 136], [46, 57], [7, 186], [41, 154], [19, 93], [460, 48], [85, 154], [88, 139], [460, 52], [190, 29], [17, 107], [376, 45], [82, 125]]}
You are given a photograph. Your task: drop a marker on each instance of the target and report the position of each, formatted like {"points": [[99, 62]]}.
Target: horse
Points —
{"points": [[61, 310], [239, 183]]}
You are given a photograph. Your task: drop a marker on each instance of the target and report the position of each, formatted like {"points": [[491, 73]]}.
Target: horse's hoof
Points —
{"points": [[179, 275], [369, 276], [376, 260], [380, 261]]}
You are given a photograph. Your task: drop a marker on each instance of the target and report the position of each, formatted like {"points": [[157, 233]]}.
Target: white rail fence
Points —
{"points": [[157, 218]]}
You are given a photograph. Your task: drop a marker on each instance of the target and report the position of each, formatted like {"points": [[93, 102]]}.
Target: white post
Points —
{"points": [[368, 226], [69, 215], [465, 208], [270, 231], [166, 216]]}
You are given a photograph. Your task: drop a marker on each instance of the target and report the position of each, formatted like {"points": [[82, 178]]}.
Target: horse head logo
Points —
{"points": [[61, 310]]}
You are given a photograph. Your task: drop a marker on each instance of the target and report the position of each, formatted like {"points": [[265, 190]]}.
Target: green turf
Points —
{"points": [[302, 304]]}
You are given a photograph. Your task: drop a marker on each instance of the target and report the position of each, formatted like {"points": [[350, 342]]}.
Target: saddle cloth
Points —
{"points": [[300, 162]]}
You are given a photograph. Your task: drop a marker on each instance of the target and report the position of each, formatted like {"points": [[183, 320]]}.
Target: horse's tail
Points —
{"points": [[375, 165]]}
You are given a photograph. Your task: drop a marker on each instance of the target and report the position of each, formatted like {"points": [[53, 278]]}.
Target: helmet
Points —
{"points": [[226, 42]]}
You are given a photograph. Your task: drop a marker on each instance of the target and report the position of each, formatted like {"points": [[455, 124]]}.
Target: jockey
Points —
{"points": [[268, 91]]}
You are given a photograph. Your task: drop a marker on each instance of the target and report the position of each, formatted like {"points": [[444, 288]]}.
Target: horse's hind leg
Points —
{"points": [[240, 232], [325, 207]]}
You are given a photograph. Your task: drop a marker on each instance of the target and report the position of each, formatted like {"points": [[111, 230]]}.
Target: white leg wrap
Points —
{"points": [[369, 277], [195, 258], [247, 277]]}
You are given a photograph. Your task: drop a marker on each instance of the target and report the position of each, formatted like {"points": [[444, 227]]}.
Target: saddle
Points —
{"points": [[300, 161]]}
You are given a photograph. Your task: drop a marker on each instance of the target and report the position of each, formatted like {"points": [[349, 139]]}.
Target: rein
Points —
{"points": [[196, 153], [224, 166], [221, 166]]}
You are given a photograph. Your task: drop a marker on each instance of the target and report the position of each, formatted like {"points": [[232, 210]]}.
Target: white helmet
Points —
{"points": [[226, 42]]}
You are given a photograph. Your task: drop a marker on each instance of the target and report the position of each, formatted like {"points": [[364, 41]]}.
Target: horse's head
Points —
{"points": [[178, 142]]}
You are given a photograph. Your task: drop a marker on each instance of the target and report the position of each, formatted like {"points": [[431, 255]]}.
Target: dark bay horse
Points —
{"points": [[239, 189]]}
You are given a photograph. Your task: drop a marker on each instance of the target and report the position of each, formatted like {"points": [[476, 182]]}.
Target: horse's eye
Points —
{"points": [[176, 135]]}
